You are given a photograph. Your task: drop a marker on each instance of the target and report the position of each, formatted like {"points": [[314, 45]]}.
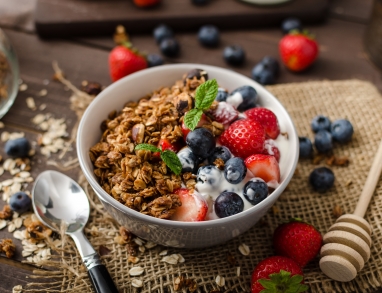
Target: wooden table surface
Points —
{"points": [[342, 56]]}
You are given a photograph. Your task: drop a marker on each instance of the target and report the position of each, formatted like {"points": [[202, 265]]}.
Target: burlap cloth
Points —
{"points": [[358, 101]]}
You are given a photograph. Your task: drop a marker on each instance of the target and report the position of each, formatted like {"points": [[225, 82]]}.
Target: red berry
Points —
{"points": [[124, 61], [298, 51], [224, 113], [270, 268], [271, 149], [266, 118], [244, 138], [297, 240], [193, 209], [263, 166], [165, 144], [146, 3]]}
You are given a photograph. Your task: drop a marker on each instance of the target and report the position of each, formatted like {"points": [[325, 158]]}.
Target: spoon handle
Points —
{"points": [[101, 280]]}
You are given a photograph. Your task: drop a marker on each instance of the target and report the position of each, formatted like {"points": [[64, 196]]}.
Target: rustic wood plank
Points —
{"points": [[351, 10], [55, 18], [12, 274]]}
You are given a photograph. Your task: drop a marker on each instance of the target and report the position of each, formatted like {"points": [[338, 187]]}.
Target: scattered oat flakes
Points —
{"points": [[244, 249], [23, 87], [43, 93], [171, 259], [150, 245], [3, 224], [31, 103], [2, 124], [238, 271], [136, 271], [42, 107], [4, 136], [17, 289], [220, 281], [163, 252], [136, 283]]}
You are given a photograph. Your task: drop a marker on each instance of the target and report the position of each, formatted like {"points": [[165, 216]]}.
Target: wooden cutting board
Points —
{"points": [[58, 18]]}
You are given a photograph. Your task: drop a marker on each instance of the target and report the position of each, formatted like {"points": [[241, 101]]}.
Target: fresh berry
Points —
{"points": [[323, 141], [165, 144], [297, 240], [146, 3], [154, 60], [200, 2], [188, 160], [220, 152], [222, 95], [124, 61], [321, 179], [193, 209], [228, 204], [255, 190], [320, 122], [201, 141], [267, 119], [209, 35], [243, 98], [280, 273], [306, 147], [169, 47], [234, 55], [235, 170], [342, 130], [162, 32], [196, 73], [266, 71], [224, 113], [244, 138], [291, 24], [298, 51], [20, 202], [263, 166], [203, 120], [17, 148], [208, 178], [270, 148]]}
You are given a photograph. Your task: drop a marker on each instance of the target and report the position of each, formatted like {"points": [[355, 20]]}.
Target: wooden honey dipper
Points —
{"points": [[347, 244]]}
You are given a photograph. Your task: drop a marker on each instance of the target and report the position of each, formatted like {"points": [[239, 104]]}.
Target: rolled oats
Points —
{"points": [[244, 249], [220, 281], [136, 283], [136, 271]]}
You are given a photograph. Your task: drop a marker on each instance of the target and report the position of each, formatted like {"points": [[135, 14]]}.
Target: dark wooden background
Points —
{"points": [[342, 56]]}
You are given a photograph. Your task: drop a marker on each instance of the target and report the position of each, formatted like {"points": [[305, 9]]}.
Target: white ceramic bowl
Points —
{"points": [[166, 232]]}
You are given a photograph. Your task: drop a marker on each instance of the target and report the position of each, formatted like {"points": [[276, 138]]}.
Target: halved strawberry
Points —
{"points": [[263, 166], [165, 144], [203, 120], [224, 113], [266, 118], [193, 209], [271, 149]]}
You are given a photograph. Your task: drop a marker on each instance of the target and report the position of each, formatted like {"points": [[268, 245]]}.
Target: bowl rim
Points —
{"points": [[156, 221]]}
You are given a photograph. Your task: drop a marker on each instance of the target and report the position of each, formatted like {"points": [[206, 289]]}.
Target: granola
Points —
{"points": [[137, 178], [8, 247]]}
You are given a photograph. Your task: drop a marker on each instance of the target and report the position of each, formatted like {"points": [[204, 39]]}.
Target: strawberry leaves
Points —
{"points": [[283, 282], [204, 96], [169, 157]]}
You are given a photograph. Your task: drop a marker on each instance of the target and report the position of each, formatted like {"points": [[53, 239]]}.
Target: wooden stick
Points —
{"points": [[371, 183]]}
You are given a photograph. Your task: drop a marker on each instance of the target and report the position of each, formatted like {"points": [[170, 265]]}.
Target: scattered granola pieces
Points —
{"points": [[132, 259], [8, 247], [337, 211], [103, 250], [36, 231], [348, 182], [6, 213], [178, 283], [231, 259]]}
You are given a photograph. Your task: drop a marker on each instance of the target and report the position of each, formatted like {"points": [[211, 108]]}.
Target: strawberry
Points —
{"points": [[271, 149], [123, 60], [224, 113], [277, 274], [165, 144], [267, 119], [193, 209], [298, 51], [263, 166], [244, 138], [203, 120], [146, 3], [297, 240]]}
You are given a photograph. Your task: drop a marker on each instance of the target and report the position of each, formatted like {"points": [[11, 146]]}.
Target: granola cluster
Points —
{"points": [[139, 179], [8, 247]]}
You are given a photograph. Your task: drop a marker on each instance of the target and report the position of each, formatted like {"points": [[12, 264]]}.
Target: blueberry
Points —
{"points": [[154, 60], [323, 141], [201, 141], [321, 179], [198, 73], [243, 98], [209, 35], [17, 148], [320, 122], [290, 24], [200, 2], [235, 170], [210, 176], [188, 160], [271, 64], [234, 55], [262, 75], [20, 202], [169, 47], [306, 147], [228, 204], [222, 95], [162, 32], [255, 190], [220, 152], [342, 130]]}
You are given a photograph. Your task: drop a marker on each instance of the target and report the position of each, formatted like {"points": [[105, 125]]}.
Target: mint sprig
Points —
{"points": [[169, 157], [204, 96]]}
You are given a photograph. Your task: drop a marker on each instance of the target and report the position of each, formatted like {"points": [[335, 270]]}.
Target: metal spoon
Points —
{"points": [[59, 202]]}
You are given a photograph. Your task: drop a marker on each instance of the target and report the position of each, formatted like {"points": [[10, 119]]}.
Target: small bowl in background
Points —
{"points": [[167, 232], [9, 74]]}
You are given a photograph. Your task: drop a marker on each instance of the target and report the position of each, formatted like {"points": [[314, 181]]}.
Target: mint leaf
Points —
{"points": [[206, 94], [172, 161], [192, 118], [147, 147]]}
